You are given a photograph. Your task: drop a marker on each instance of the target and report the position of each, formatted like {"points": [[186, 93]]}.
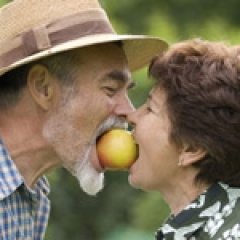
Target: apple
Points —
{"points": [[117, 149]]}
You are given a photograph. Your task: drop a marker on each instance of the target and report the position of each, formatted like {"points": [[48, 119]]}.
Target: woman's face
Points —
{"points": [[157, 165]]}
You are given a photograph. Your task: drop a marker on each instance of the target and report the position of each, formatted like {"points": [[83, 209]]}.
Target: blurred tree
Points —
{"points": [[74, 214], [2, 2], [149, 212], [135, 14]]}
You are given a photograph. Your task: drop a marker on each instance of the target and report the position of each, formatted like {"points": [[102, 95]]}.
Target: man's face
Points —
{"points": [[97, 98]]}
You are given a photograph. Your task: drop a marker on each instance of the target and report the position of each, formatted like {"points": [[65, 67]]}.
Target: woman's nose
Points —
{"points": [[135, 115], [132, 117]]}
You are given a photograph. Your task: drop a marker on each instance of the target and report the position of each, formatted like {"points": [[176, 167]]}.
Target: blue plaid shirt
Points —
{"points": [[24, 212]]}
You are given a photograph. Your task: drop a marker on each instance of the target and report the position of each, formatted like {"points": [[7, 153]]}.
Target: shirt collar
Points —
{"points": [[199, 211], [11, 179]]}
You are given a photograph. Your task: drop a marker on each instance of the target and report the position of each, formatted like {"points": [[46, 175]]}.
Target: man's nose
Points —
{"points": [[124, 107]]}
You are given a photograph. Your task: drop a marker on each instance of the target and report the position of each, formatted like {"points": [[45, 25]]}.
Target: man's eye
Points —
{"points": [[110, 91]]}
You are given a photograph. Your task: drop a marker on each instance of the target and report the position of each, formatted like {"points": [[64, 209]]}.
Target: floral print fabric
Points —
{"points": [[215, 214]]}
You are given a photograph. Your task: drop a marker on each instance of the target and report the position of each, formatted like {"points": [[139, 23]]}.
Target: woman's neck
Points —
{"points": [[182, 191]]}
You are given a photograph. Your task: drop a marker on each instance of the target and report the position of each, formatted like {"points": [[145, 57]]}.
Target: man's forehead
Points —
{"points": [[101, 46]]}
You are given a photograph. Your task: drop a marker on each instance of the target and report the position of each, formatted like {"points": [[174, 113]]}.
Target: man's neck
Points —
{"points": [[21, 133], [33, 163]]}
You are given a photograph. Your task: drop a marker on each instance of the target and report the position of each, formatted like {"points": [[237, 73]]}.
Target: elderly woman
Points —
{"points": [[188, 133]]}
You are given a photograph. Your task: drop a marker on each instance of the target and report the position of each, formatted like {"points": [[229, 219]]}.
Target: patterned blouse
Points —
{"points": [[214, 215]]}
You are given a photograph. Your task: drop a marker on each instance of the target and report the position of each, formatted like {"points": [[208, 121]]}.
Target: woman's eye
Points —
{"points": [[149, 109]]}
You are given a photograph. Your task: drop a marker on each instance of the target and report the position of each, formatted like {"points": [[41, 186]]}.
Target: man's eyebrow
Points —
{"points": [[122, 77], [118, 75]]}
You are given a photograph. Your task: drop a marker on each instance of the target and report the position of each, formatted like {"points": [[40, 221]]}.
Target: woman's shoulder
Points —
{"points": [[225, 224]]}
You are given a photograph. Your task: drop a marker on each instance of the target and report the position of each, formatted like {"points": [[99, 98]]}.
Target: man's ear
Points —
{"points": [[189, 155], [41, 86]]}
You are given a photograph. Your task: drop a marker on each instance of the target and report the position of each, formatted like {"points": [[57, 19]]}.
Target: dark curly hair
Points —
{"points": [[202, 84]]}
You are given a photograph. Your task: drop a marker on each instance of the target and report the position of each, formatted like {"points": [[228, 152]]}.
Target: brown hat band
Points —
{"points": [[47, 36]]}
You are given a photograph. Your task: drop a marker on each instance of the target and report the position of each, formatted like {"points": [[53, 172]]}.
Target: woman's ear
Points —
{"points": [[189, 155], [41, 86]]}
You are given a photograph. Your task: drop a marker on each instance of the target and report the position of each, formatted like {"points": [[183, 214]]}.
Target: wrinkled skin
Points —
{"points": [[98, 100]]}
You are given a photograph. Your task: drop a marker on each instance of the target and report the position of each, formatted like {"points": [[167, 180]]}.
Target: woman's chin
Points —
{"points": [[133, 180]]}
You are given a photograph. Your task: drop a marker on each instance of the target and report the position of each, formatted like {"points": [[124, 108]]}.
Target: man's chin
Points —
{"points": [[90, 180], [91, 184]]}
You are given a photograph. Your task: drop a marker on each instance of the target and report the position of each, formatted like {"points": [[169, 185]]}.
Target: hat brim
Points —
{"points": [[139, 49]]}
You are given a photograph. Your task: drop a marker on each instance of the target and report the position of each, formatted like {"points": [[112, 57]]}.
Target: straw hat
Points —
{"points": [[33, 29]]}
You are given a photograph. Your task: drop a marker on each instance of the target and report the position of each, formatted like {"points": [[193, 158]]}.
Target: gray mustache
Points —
{"points": [[110, 123]]}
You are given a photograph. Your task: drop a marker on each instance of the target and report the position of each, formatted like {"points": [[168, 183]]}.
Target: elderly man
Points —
{"points": [[64, 76]]}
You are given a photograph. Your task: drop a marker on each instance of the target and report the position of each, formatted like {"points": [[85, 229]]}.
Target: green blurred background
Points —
{"points": [[120, 212]]}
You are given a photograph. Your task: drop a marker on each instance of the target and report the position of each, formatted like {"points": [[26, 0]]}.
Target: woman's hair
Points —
{"points": [[201, 80]]}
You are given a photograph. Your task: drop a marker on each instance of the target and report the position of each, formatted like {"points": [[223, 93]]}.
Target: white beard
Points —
{"points": [[65, 141], [89, 179]]}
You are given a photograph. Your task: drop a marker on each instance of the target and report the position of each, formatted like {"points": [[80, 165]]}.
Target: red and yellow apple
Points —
{"points": [[117, 149]]}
